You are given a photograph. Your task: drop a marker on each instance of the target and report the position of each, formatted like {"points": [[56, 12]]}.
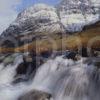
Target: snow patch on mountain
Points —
{"points": [[75, 14], [69, 15], [43, 18], [39, 18]]}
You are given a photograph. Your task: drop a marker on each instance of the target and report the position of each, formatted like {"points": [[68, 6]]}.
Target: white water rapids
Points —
{"points": [[64, 79]]}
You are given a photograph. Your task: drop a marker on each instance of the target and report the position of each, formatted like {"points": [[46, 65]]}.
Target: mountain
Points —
{"points": [[75, 14], [88, 38], [39, 18], [69, 15], [42, 22]]}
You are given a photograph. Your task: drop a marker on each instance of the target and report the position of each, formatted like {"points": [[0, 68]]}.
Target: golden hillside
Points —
{"points": [[89, 37]]}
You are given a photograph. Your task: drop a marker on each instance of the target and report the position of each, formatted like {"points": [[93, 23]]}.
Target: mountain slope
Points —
{"points": [[50, 27], [39, 18], [75, 14], [89, 37], [69, 15]]}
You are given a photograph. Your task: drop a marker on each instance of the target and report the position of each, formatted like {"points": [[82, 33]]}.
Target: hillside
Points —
{"points": [[69, 25], [89, 34]]}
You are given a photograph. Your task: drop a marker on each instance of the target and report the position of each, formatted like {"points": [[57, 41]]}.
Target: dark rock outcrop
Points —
{"points": [[35, 95], [27, 69], [70, 55]]}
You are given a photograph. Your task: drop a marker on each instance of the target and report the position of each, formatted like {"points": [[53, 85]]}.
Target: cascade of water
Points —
{"points": [[63, 78]]}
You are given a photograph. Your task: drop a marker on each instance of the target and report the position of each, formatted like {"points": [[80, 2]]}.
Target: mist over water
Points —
{"points": [[64, 79]]}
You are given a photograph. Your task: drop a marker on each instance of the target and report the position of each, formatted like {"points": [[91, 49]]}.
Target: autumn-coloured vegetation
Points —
{"points": [[89, 37]]}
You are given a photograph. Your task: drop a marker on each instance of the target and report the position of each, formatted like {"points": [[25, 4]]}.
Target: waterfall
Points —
{"points": [[69, 80], [7, 90], [63, 78]]}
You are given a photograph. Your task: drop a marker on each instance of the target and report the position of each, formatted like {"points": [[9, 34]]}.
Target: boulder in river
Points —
{"points": [[35, 95]]}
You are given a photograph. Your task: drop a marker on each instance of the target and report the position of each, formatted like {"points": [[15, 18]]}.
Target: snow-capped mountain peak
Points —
{"points": [[39, 18], [69, 15], [75, 14], [29, 12]]}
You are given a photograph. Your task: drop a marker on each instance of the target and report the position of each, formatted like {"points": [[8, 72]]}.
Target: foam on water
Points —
{"points": [[7, 90], [68, 80], [63, 78]]}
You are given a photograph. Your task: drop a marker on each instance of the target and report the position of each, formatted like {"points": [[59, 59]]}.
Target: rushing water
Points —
{"points": [[64, 79]]}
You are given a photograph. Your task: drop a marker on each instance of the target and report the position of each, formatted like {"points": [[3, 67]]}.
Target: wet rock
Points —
{"points": [[83, 52], [24, 72], [97, 53], [28, 61], [3, 56], [9, 59], [35, 95], [22, 68], [70, 55], [46, 54], [97, 64], [27, 69]]}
